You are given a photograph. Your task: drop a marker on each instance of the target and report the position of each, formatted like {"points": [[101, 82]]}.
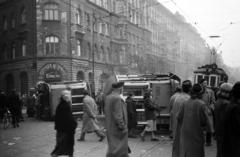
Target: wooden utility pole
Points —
{"points": [[92, 49]]}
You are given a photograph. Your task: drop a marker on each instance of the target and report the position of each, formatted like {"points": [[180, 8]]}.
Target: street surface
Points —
{"points": [[36, 138]]}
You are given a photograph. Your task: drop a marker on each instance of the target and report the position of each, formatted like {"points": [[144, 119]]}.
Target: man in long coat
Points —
{"points": [[209, 98], [116, 123], [89, 118], [193, 121], [179, 100]]}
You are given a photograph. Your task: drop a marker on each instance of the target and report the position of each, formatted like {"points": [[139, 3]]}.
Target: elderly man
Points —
{"points": [[116, 123]]}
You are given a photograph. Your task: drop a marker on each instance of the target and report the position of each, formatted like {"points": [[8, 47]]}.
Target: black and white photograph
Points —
{"points": [[119, 78]]}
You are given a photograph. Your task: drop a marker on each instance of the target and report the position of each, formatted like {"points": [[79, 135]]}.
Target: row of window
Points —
{"points": [[13, 51], [52, 47], [13, 20]]}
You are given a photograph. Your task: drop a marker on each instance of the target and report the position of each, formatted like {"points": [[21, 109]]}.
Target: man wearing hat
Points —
{"points": [[193, 121], [116, 123]]}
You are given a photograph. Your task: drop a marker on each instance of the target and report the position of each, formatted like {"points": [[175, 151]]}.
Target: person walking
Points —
{"points": [[116, 123], [231, 138], [179, 100], [65, 126], [89, 124], [150, 109], [209, 98], [220, 114], [132, 116], [193, 121]]}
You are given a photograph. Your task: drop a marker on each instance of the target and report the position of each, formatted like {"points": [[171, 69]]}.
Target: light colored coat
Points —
{"points": [[179, 100], [194, 121], [116, 125], [89, 116]]}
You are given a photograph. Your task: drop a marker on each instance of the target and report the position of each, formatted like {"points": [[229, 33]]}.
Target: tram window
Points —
{"points": [[207, 78], [213, 81], [199, 78], [77, 91], [136, 91]]}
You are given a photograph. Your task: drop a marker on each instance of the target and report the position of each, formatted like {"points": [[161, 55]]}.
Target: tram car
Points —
{"points": [[212, 73]]}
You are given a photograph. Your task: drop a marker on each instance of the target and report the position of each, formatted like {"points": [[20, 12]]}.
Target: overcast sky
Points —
{"points": [[214, 17]]}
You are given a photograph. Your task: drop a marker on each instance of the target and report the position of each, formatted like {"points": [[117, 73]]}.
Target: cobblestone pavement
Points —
{"points": [[36, 138]]}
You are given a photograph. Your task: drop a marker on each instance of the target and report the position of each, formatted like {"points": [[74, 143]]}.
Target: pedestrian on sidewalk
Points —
{"points": [[150, 115], [116, 123], [179, 100], [65, 126], [90, 111], [222, 102], [132, 116], [231, 139], [193, 121]]}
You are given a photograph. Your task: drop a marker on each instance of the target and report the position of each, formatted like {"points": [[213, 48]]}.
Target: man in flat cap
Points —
{"points": [[116, 123]]}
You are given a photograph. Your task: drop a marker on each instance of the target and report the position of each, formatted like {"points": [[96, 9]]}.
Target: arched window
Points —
{"points": [[13, 51], [79, 17], [80, 76], [5, 24], [13, 21], [52, 45], [79, 48], [23, 16], [3, 52], [51, 12], [9, 82], [103, 54], [23, 49]]}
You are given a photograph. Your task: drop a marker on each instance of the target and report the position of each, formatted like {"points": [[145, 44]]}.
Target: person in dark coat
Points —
{"points": [[65, 126], [116, 123], [150, 109], [132, 116], [193, 121], [231, 138], [3, 104], [14, 103], [220, 113]]}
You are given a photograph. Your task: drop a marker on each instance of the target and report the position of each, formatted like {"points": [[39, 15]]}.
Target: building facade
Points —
{"points": [[56, 40]]}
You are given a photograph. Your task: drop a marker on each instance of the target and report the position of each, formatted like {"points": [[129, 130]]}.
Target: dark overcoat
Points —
{"points": [[231, 139], [193, 121], [132, 113], [65, 126], [116, 125]]}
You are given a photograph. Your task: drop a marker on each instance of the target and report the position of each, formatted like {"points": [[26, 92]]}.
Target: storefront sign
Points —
{"points": [[52, 72]]}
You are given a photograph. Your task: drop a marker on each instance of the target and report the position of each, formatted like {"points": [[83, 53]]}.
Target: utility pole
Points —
{"points": [[69, 28], [92, 49]]}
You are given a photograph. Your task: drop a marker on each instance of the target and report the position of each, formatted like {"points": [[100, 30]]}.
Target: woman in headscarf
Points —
{"points": [[65, 126]]}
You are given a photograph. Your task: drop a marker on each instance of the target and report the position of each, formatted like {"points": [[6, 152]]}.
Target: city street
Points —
{"points": [[36, 138]]}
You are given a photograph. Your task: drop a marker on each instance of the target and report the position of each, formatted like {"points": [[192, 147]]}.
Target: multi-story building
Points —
{"points": [[61, 40]]}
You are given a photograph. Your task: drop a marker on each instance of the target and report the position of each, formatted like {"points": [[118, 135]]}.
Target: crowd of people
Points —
{"points": [[197, 117], [12, 103]]}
